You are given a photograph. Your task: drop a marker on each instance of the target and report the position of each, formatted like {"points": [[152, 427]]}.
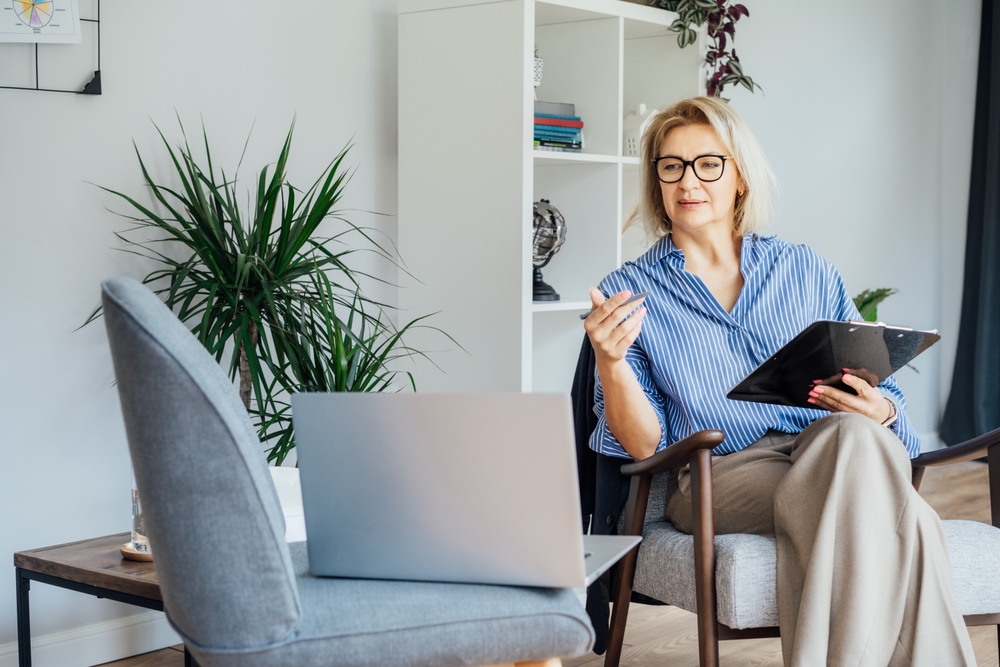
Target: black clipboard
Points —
{"points": [[821, 352]]}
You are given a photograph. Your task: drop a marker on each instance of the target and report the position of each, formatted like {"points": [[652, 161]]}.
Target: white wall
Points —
{"points": [[64, 471], [866, 116]]}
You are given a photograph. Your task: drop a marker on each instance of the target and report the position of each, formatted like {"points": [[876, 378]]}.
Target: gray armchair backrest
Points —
{"points": [[210, 509]]}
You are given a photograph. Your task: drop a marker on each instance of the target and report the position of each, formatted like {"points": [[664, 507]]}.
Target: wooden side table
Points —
{"points": [[94, 567]]}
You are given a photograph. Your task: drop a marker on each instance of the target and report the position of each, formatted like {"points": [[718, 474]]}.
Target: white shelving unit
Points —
{"points": [[468, 173]]}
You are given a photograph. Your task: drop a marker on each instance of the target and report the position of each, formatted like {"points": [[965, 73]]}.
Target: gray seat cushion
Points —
{"points": [[745, 574], [746, 571], [974, 549], [371, 622]]}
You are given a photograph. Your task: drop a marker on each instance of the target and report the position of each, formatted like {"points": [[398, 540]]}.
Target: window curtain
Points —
{"points": [[974, 402]]}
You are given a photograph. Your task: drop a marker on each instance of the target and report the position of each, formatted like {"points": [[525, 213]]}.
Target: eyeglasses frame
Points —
{"points": [[690, 163]]}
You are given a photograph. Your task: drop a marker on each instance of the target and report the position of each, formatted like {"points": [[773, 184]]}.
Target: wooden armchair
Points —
{"points": [[970, 545]]}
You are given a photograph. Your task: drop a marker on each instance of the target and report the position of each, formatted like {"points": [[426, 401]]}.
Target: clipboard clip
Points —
{"points": [[891, 326]]}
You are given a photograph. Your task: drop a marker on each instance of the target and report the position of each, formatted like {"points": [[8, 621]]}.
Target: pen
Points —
{"points": [[635, 297]]}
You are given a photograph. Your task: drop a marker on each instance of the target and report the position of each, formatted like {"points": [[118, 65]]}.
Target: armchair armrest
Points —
{"points": [[671, 457], [676, 455], [966, 451]]}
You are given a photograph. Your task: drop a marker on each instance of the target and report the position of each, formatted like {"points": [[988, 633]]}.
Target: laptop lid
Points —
{"points": [[478, 488]]}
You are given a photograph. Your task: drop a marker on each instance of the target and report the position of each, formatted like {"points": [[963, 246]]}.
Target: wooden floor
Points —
{"points": [[168, 657], [667, 636]]}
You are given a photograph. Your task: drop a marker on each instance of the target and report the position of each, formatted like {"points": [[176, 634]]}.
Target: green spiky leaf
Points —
{"points": [[260, 284]]}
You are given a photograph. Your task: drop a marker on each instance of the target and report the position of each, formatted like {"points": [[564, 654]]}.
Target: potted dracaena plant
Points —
{"points": [[261, 288]]}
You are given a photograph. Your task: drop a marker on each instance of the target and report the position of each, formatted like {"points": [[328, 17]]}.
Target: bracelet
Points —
{"points": [[893, 414]]}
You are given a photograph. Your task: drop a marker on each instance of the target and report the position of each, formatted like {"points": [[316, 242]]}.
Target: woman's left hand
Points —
{"points": [[869, 401]]}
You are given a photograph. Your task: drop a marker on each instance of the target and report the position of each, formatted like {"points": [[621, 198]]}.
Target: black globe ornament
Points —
{"points": [[548, 237]]}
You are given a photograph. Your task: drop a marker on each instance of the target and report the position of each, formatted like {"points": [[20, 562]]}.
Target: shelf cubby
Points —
{"points": [[582, 63], [556, 339], [587, 197], [465, 224]]}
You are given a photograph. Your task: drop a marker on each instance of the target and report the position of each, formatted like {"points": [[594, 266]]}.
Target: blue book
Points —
{"points": [[552, 115], [555, 129], [548, 133]]}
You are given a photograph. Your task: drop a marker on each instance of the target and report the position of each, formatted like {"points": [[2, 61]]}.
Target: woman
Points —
{"points": [[863, 575]]}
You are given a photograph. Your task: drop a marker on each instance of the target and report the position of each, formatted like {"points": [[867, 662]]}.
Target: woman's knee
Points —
{"points": [[849, 420], [852, 433]]}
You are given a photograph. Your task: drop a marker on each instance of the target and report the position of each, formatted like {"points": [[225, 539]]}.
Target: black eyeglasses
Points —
{"points": [[706, 168]]}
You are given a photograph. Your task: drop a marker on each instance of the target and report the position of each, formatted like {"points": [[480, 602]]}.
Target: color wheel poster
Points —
{"points": [[40, 21]]}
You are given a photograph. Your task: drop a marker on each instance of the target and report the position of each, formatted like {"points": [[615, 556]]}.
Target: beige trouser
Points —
{"points": [[863, 573]]}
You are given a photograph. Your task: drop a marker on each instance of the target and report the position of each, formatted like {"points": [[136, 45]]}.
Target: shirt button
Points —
{"points": [[609, 520]]}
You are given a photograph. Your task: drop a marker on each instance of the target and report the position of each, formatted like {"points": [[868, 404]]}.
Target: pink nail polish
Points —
{"points": [[811, 400]]}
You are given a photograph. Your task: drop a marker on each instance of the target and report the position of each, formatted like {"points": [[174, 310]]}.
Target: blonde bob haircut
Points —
{"points": [[753, 207]]}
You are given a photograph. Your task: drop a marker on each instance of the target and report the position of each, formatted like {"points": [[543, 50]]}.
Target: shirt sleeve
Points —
{"points": [[602, 440], [844, 309]]}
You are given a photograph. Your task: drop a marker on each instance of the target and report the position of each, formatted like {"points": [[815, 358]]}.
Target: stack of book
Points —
{"points": [[557, 127]]}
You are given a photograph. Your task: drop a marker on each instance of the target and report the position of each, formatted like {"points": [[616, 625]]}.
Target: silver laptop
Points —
{"points": [[475, 488]]}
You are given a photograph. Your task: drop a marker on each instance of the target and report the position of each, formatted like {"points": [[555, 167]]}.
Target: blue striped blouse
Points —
{"points": [[691, 351]]}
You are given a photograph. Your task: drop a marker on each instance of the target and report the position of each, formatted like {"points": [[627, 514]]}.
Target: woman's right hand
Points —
{"points": [[629, 413], [610, 333]]}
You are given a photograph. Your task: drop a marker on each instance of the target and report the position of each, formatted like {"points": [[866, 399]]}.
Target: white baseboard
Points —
{"points": [[98, 643]]}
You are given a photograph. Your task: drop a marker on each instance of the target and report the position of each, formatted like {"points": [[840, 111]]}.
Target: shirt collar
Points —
{"points": [[755, 249], [750, 252], [665, 248]]}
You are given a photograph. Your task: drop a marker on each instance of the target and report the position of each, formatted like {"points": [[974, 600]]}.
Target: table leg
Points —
{"points": [[23, 619]]}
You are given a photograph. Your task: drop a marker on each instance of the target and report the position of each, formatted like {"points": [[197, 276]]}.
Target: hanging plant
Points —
{"points": [[720, 16]]}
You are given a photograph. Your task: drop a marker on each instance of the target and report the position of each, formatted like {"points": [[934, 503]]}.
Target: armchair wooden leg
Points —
{"points": [[638, 496], [704, 558]]}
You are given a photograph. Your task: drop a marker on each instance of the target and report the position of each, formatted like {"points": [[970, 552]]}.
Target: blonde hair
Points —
{"points": [[753, 207]]}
